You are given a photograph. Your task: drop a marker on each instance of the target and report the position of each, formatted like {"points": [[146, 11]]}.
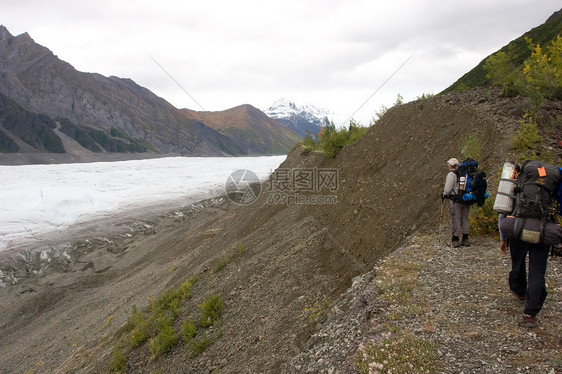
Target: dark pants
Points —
{"points": [[534, 288]]}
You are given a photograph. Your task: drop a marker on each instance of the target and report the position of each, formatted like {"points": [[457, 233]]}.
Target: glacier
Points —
{"points": [[38, 199]]}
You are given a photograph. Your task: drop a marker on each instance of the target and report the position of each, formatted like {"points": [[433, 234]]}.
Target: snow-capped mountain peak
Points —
{"points": [[299, 117], [283, 108]]}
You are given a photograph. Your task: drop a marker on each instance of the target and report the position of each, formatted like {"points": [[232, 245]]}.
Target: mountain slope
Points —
{"points": [[518, 48], [41, 83], [299, 258], [250, 128], [23, 130]]}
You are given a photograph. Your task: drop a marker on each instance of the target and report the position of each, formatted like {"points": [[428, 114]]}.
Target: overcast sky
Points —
{"points": [[332, 54]]}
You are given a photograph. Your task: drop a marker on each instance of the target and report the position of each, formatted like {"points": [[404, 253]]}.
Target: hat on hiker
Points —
{"points": [[453, 162]]}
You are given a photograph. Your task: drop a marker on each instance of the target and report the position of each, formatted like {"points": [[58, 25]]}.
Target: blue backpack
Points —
{"points": [[472, 183]]}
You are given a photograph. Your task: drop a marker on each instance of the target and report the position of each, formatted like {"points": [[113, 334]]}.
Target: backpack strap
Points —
{"points": [[517, 226]]}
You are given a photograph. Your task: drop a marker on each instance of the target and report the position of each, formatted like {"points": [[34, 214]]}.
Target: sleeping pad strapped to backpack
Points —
{"points": [[531, 220]]}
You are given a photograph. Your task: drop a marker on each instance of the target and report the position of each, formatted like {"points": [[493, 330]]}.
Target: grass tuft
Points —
{"points": [[400, 353]]}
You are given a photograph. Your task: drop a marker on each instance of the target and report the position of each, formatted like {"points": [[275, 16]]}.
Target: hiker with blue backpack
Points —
{"points": [[464, 186], [527, 203], [459, 212]]}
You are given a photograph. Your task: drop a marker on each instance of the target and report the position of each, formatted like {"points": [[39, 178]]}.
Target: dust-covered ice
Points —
{"points": [[37, 199]]}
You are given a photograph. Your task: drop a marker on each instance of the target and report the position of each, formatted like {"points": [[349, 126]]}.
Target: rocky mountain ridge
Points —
{"points": [[104, 114], [249, 127]]}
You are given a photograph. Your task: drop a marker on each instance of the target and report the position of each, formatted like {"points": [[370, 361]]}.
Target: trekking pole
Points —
{"points": [[440, 221]]}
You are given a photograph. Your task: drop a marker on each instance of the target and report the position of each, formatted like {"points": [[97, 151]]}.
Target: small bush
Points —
{"points": [[308, 141], [141, 329], [118, 362], [189, 330], [538, 77], [425, 96], [165, 340], [166, 306], [198, 346], [331, 141], [528, 144], [422, 99], [483, 220], [211, 310], [380, 113], [171, 300], [332, 145]]}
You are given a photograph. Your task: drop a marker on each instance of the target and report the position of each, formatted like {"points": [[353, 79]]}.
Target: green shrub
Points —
{"points": [[422, 99], [334, 143], [118, 362], [189, 330], [166, 306], [380, 113], [425, 96], [198, 346], [483, 220], [171, 300], [539, 77], [141, 330], [308, 141], [165, 340], [528, 144], [211, 310], [332, 140]]}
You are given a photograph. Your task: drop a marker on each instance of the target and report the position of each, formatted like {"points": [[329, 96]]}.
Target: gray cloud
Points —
{"points": [[330, 53]]}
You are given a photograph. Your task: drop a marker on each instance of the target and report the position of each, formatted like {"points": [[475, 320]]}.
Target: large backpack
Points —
{"points": [[472, 183], [536, 190], [538, 184]]}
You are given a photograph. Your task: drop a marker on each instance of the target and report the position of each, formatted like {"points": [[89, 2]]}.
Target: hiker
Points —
{"points": [[529, 230], [459, 212]]}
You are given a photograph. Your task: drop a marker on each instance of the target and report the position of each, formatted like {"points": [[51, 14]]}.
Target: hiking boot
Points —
{"points": [[529, 322], [455, 242], [521, 298], [465, 242]]}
